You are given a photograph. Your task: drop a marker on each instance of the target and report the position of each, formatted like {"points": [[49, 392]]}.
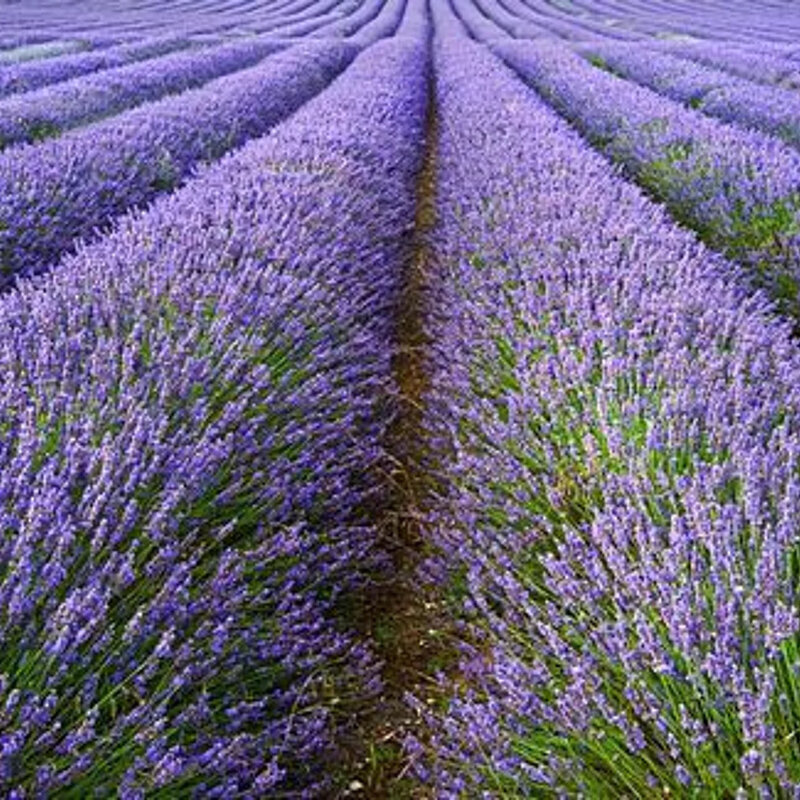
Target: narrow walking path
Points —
{"points": [[405, 624]]}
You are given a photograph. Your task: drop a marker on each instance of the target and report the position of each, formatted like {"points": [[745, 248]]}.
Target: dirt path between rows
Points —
{"points": [[405, 624]]}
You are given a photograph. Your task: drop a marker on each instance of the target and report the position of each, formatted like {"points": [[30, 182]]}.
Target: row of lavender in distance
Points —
{"points": [[398, 18], [34, 51], [313, 20], [739, 189], [191, 415], [504, 20], [35, 74], [12, 42], [54, 192], [48, 111], [723, 23], [569, 25], [385, 23], [58, 20], [363, 14], [617, 422], [447, 23], [735, 100], [765, 65], [416, 22], [482, 26]]}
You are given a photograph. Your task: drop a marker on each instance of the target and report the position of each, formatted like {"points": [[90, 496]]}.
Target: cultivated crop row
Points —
{"points": [[58, 191], [737, 188], [617, 422], [185, 480], [33, 75], [49, 111], [714, 92]]}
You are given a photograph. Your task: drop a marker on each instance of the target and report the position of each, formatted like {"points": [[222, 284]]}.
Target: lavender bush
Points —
{"points": [[617, 421], [49, 111], [191, 418], [737, 188], [54, 192]]}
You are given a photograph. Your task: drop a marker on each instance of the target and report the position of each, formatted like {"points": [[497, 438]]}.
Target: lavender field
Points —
{"points": [[400, 399]]}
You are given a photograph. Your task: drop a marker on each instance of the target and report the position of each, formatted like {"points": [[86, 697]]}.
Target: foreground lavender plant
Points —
{"points": [[191, 417], [618, 424]]}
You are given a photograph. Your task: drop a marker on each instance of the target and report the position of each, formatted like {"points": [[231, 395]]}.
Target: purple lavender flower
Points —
{"points": [[48, 111], [55, 192], [737, 188], [192, 423], [615, 417]]}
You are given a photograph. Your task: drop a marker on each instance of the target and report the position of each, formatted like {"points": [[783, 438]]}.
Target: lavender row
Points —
{"points": [[473, 17], [670, 21], [315, 19], [47, 112], [185, 480], [764, 67], [446, 22], [55, 192], [36, 74], [76, 23], [568, 24], [770, 109], [416, 22], [737, 188], [363, 15], [297, 13], [385, 23], [617, 423], [16, 41], [503, 19], [41, 50], [400, 18]]}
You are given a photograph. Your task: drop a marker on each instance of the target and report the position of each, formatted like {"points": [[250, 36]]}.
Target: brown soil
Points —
{"points": [[406, 626]]}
